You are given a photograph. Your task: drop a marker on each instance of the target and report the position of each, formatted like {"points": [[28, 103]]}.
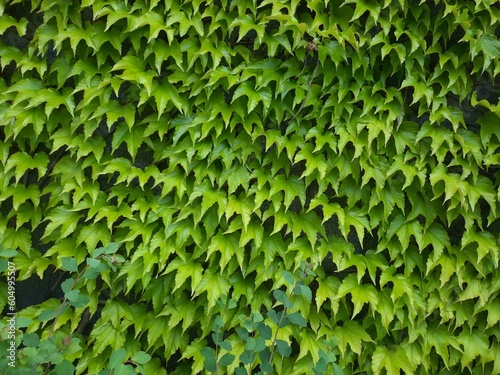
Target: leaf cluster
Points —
{"points": [[220, 144]]}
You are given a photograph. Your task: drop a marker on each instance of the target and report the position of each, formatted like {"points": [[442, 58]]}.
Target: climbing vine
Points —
{"points": [[220, 146]]}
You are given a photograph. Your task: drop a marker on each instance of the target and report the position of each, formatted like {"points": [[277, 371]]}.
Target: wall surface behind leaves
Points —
{"points": [[221, 142]]}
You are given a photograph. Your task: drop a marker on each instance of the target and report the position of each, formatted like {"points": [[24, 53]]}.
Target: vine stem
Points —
{"points": [[307, 93], [217, 339], [59, 311], [273, 345]]}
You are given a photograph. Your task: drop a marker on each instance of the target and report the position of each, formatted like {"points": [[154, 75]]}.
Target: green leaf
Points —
{"points": [[64, 368], [63, 218], [255, 345], [47, 315], [393, 360], [117, 357], [164, 93], [489, 44], [134, 70], [31, 339], [332, 50], [352, 334], [282, 298], [309, 345], [109, 249], [210, 361], [284, 349], [141, 358], [304, 290], [292, 186], [93, 263], [327, 289], [277, 318], [226, 360], [474, 343], [7, 21], [22, 162], [297, 319], [264, 331], [69, 264], [80, 301], [215, 286], [8, 253], [132, 138], [289, 277], [72, 295], [226, 345], [247, 357]]}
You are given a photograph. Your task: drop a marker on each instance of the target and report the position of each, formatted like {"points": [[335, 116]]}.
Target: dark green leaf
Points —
{"points": [[209, 356], [304, 290], [141, 358], [31, 339], [298, 319], [117, 357], [69, 264], [282, 297], [283, 348], [226, 359], [289, 277]]}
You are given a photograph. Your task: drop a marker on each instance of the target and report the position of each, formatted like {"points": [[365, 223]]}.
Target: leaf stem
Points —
{"points": [[273, 345], [307, 94]]}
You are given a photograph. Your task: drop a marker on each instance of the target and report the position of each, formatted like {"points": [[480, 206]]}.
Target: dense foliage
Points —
{"points": [[162, 158]]}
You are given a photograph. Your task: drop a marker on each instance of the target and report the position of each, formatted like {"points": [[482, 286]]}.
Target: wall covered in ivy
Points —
{"points": [[171, 169]]}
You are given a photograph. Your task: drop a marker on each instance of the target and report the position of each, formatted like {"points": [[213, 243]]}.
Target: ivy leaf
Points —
{"points": [[228, 246], [437, 237], [134, 70], [7, 21], [327, 289], [164, 93], [284, 349], [297, 319], [215, 285], [442, 341], [226, 360], [132, 137], [69, 264], [210, 361], [361, 293], [241, 206], [303, 290], [353, 334], [281, 297], [489, 45], [333, 50], [289, 277], [65, 367], [254, 96], [474, 344], [141, 358], [293, 188], [385, 307], [393, 361], [117, 358], [247, 23], [23, 162], [310, 224], [63, 218], [185, 269], [309, 345]]}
